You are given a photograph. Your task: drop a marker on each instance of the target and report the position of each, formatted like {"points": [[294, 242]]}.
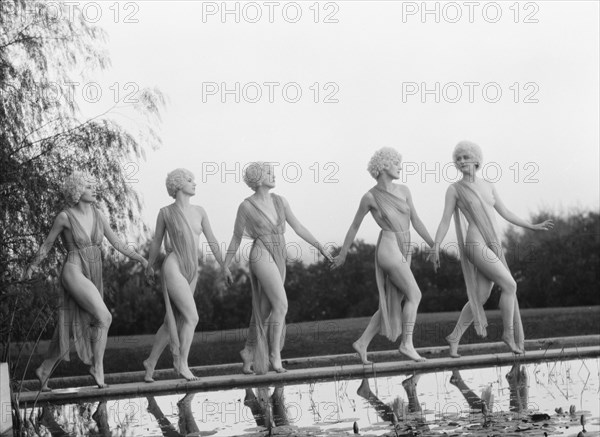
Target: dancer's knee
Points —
{"points": [[280, 308], [103, 319], [509, 286], [414, 294], [192, 318]]}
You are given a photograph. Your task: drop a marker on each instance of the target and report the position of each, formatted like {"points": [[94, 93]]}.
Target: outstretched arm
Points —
{"points": [[116, 242], [516, 220], [210, 237], [416, 221], [363, 208], [301, 230], [60, 223], [442, 230]]}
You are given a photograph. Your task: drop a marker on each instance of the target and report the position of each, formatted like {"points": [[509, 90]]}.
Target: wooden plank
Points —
{"points": [[322, 361], [136, 389]]}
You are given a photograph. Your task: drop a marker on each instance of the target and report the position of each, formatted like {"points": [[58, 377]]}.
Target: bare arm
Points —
{"points": [[301, 230], [116, 242], [60, 223], [416, 221], [159, 233], [236, 239], [363, 208], [442, 230], [449, 205], [210, 237], [516, 220]]}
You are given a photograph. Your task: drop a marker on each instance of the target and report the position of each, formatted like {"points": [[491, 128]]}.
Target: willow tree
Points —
{"points": [[44, 138]]}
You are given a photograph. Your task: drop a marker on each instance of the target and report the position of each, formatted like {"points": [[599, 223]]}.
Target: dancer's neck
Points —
{"points": [[262, 193], [182, 200], [385, 183], [83, 208]]}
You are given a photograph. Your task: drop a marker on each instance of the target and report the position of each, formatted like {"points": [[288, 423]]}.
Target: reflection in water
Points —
{"points": [[101, 419], [402, 417], [268, 411], [518, 383], [527, 398], [484, 403], [72, 420], [187, 423]]}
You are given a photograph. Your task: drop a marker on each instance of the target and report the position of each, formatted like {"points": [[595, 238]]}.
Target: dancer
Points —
{"points": [[481, 255], [262, 218], [181, 225], [392, 208], [82, 310]]}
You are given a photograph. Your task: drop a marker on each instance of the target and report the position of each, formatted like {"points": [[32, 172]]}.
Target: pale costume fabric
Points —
{"points": [[481, 215], [179, 242], [84, 252], [253, 223], [391, 208]]}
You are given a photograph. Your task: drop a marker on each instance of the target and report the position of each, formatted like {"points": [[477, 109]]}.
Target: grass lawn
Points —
{"points": [[124, 354]]}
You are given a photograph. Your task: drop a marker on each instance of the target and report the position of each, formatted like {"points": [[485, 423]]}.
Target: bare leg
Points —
{"points": [[484, 289], [269, 277], [161, 340], [464, 320], [44, 371], [182, 295], [360, 345], [396, 267], [519, 332], [247, 355], [84, 292], [490, 268]]}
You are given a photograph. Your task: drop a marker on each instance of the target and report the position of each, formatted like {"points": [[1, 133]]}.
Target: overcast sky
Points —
{"points": [[520, 79]]}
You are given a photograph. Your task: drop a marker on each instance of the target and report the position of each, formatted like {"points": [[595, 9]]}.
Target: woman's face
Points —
{"points": [[268, 176], [466, 162], [393, 168], [188, 185], [90, 190]]}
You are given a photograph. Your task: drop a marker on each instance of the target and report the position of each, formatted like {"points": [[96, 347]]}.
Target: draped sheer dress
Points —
{"points": [[390, 209], [84, 252], [268, 238], [179, 242], [479, 213]]}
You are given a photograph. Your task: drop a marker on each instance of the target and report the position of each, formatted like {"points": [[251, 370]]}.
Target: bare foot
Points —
{"points": [[364, 390], [276, 364], [247, 358], [410, 352], [453, 352], [187, 374], [511, 344], [149, 371], [361, 351], [43, 377], [98, 377]]}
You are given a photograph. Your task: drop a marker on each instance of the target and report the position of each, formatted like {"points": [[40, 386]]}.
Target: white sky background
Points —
{"points": [[368, 54]]}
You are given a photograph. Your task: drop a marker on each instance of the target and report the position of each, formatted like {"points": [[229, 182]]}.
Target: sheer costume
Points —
{"points": [[83, 251], [391, 208], [481, 215], [179, 242], [268, 238]]}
